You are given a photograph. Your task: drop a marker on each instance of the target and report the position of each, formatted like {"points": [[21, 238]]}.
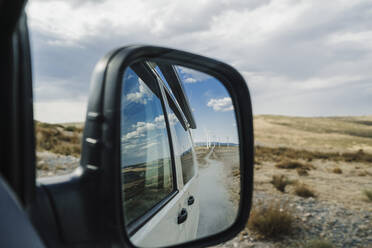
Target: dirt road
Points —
{"points": [[216, 210]]}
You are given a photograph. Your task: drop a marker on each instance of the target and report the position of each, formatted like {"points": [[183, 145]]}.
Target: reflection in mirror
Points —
{"points": [[179, 155]]}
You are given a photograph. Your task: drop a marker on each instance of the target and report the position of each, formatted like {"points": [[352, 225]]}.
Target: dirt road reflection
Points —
{"points": [[217, 211]]}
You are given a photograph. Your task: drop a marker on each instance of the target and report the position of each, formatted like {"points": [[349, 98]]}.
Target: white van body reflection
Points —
{"points": [[159, 166]]}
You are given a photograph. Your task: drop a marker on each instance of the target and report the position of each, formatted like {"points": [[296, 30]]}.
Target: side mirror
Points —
{"points": [[172, 135]]}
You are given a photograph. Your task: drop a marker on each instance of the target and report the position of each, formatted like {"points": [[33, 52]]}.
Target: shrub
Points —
{"points": [[318, 244], [70, 129], [368, 194], [364, 173], [303, 190], [236, 172], [271, 221], [302, 172], [53, 138], [42, 166], [47, 125], [280, 182], [279, 153], [68, 149], [359, 156], [337, 170], [257, 162], [60, 167], [290, 164]]}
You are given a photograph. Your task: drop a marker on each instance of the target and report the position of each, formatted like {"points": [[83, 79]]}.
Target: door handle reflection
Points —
{"points": [[182, 216], [191, 200]]}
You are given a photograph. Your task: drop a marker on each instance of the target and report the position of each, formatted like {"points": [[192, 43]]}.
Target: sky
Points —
{"points": [[211, 105], [143, 130], [303, 58]]}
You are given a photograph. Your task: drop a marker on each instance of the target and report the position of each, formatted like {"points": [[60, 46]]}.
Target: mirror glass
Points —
{"points": [[179, 155]]}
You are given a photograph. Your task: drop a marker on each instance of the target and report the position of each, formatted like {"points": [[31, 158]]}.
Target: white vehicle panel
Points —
{"points": [[163, 224]]}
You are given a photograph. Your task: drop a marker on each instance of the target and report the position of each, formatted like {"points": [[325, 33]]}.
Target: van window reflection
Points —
{"points": [[145, 155], [183, 146]]}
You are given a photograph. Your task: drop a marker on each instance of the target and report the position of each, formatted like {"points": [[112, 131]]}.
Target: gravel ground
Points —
{"points": [[50, 164], [315, 220]]}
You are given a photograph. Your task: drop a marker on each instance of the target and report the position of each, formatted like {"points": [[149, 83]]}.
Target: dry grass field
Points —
{"points": [[58, 148], [332, 155], [336, 153], [331, 134], [312, 183], [320, 167], [63, 139]]}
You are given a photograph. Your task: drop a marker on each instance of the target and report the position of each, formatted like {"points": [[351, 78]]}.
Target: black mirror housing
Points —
{"points": [[85, 207], [101, 140]]}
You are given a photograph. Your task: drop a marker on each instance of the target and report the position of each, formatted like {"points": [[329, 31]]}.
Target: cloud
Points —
{"points": [[190, 80], [144, 126], [280, 46], [144, 141], [140, 128], [146, 129], [221, 105], [172, 118], [159, 119], [359, 37], [142, 96], [192, 76], [149, 145]]}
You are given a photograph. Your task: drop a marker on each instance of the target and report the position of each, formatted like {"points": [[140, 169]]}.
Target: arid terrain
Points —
{"points": [[332, 144], [58, 148], [325, 165], [312, 181]]}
